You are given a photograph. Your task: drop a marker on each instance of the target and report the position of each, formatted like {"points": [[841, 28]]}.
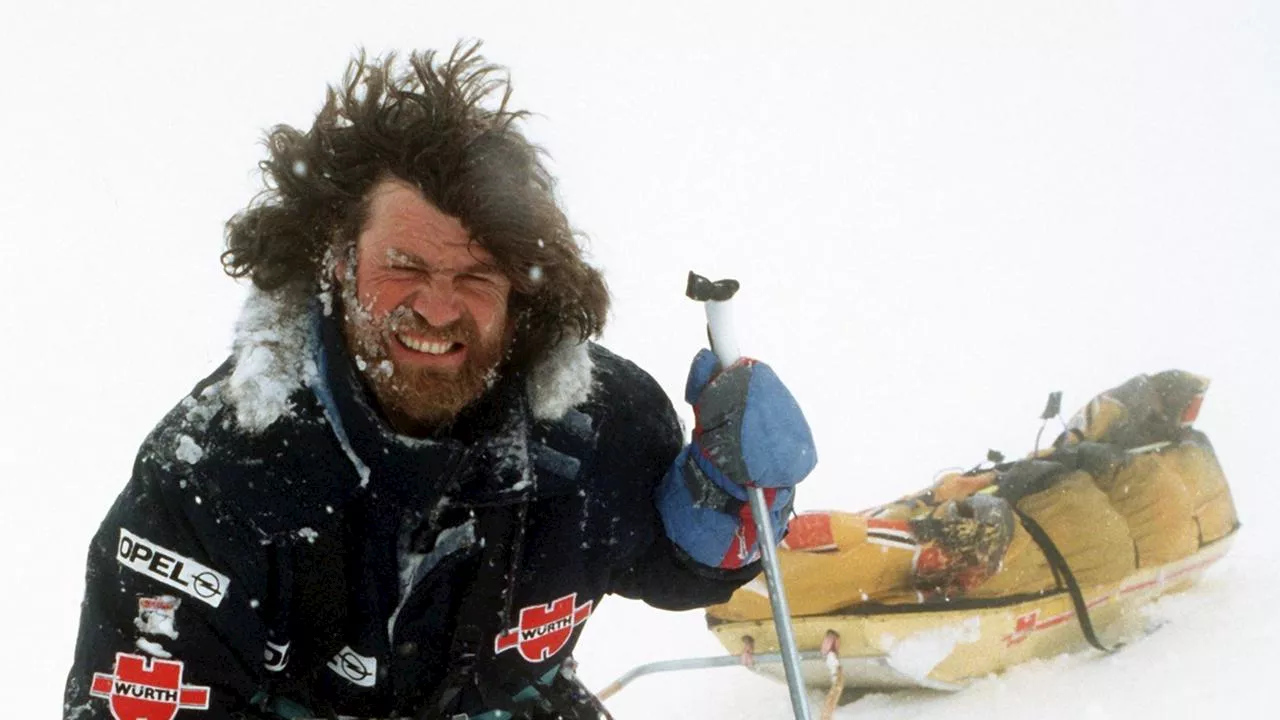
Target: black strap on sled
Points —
{"points": [[1063, 573]]}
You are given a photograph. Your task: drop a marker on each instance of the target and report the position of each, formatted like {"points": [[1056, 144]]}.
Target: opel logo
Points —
{"points": [[352, 666], [207, 584]]}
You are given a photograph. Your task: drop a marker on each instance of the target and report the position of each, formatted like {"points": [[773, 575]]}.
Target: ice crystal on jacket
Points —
{"points": [[187, 450], [152, 648]]}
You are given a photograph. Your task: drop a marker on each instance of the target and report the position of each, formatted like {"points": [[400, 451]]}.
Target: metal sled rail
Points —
{"points": [[873, 671]]}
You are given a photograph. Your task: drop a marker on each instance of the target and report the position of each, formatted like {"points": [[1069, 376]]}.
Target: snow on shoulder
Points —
{"points": [[561, 381], [271, 357]]}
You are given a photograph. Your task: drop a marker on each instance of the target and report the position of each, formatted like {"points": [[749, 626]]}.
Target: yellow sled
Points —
{"points": [[1007, 562]]}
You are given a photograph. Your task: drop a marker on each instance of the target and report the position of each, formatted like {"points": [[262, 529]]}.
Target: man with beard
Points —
{"points": [[416, 476]]}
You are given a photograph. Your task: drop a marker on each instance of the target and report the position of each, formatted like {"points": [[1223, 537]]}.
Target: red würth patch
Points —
{"points": [[544, 629], [144, 688]]}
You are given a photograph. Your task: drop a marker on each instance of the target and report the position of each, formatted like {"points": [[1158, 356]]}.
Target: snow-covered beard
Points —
{"points": [[418, 401]]}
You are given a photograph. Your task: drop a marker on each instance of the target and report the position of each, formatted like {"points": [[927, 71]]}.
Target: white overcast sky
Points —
{"points": [[940, 211]]}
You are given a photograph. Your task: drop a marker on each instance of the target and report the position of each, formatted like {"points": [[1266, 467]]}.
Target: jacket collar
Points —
{"points": [[289, 341], [482, 458]]}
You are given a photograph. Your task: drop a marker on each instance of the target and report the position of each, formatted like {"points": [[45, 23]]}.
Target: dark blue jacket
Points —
{"points": [[322, 565]]}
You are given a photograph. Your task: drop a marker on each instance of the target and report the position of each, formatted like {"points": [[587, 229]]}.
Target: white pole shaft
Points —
{"points": [[724, 341]]}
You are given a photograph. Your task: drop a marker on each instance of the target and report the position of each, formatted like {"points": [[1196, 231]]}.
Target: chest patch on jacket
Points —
{"points": [[182, 573], [143, 688], [158, 616], [544, 629]]}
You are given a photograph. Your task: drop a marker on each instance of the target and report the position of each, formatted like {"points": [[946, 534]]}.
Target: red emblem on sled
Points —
{"points": [[544, 629], [144, 688]]}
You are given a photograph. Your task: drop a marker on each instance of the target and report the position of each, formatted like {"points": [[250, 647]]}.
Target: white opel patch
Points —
{"points": [[355, 668], [182, 573]]}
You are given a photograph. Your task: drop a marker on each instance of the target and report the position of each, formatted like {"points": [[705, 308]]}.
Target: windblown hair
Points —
{"points": [[444, 127]]}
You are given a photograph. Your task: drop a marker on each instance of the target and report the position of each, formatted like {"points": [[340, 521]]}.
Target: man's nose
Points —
{"points": [[437, 302]]}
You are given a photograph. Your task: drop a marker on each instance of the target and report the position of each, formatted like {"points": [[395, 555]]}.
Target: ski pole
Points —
{"points": [[716, 297]]}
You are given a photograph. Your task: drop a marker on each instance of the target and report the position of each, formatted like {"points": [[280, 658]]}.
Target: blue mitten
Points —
{"points": [[749, 432]]}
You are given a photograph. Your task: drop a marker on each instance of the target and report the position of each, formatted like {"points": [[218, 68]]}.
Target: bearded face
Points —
{"points": [[425, 310]]}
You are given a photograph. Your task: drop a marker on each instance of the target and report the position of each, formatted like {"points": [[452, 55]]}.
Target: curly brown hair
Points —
{"points": [[445, 127]]}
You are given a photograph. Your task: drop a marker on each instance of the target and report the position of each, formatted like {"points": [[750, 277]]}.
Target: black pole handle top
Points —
{"points": [[702, 289]]}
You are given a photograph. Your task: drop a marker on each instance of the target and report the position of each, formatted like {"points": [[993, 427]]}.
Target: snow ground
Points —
{"points": [[939, 212]]}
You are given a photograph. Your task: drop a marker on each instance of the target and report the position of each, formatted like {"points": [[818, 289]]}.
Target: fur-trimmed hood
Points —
{"points": [[274, 355]]}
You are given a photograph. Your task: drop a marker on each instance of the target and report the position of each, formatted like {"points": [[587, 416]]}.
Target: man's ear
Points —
{"points": [[344, 259]]}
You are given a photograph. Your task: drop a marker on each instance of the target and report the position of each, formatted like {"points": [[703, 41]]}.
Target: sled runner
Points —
{"points": [[919, 645]]}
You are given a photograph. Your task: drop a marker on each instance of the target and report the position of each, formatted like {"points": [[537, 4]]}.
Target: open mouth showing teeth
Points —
{"points": [[429, 347]]}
